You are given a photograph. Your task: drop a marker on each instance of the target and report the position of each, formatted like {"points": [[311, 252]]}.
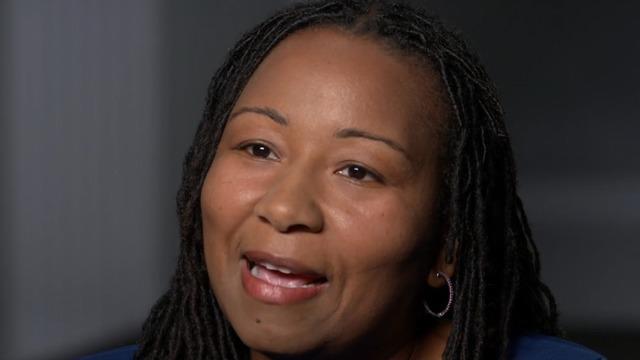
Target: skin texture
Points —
{"points": [[370, 232]]}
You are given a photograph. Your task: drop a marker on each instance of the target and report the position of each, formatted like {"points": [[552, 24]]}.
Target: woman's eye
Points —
{"points": [[359, 173], [258, 150]]}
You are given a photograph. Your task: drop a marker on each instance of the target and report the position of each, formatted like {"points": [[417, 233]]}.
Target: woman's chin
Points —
{"points": [[284, 345]]}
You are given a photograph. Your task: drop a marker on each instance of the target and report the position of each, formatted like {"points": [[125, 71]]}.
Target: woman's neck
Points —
{"points": [[428, 344], [432, 343]]}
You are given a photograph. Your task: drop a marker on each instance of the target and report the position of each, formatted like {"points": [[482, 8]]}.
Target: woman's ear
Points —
{"points": [[441, 265]]}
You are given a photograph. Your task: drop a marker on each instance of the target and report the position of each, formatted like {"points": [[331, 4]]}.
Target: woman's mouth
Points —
{"points": [[279, 281]]}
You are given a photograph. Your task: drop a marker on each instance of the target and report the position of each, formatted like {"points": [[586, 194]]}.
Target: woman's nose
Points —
{"points": [[288, 204]]}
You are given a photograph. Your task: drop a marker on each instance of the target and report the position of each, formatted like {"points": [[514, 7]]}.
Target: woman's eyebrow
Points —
{"points": [[280, 119], [353, 132], [272, 114]]}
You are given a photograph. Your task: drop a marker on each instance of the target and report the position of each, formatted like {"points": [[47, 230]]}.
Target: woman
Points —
{"points": [[350, 194]]}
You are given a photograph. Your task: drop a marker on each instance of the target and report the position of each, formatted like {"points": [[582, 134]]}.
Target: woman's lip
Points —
{"points": [[274, 294], [294, 266]]}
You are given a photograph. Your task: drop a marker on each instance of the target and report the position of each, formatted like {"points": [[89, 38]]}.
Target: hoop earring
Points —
{"points": [[446, 309]]}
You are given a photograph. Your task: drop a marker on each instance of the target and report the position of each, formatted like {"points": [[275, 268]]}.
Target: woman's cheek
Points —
{"points": [[230, 190], [223, 203], [378, 234]]}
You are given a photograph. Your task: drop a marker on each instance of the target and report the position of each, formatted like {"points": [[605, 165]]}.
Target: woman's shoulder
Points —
{"points": [[536, 346], [121, 353]]}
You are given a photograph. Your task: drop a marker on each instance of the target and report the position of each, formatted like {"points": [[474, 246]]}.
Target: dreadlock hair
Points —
{"points": [[498, 291]]}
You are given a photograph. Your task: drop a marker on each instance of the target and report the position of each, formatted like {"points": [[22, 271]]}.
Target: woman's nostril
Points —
{"points": [[299, 227]]}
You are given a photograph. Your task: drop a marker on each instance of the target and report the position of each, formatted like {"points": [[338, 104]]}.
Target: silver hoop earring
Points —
{"points": [[446, 309]]}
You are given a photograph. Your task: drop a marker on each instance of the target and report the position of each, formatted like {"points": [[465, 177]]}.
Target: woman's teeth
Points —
{"points": [[277, 268], [279, 276]]}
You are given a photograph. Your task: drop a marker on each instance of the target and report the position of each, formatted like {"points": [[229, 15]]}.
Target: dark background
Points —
{"points": [[99, 100]]}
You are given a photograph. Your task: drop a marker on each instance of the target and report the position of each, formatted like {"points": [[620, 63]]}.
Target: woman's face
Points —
{"points": [[322, 196]]}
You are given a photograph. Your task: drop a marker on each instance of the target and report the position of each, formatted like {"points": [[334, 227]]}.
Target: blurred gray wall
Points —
{"points": [[86, 183], [99, 100]]}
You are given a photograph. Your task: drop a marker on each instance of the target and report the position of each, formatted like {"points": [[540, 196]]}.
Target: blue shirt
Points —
{"points": [[544, 347], [530, 347]]}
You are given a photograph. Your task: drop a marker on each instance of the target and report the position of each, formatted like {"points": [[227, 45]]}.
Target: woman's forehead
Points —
{"points": [[336, 78]]}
